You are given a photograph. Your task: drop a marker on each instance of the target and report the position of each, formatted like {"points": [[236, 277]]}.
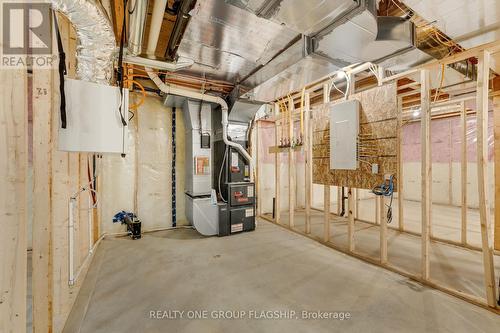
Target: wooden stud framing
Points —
{"points": [[326, 188], [350, 225], [339, 200], [463, 174], [42, 172], [482, 174], [400, 176], [496, 130], [259, 167], [426, 170], [277, 167], [13, 199], [383, 229], [291, 167], [308, 161]]}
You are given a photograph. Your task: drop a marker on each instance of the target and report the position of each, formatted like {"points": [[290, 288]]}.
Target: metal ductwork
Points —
{"points": [[180, 25], [137, 26], [96, 40], [355, 35]]}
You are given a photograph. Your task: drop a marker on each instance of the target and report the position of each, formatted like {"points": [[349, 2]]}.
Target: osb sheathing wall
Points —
{"points": [[378, 126]]}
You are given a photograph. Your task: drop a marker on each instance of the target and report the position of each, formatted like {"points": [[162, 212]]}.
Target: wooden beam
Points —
{"points": [[383, 229], [463, 174], [350, 216], [42, 218], [13, 199], [326, 188], [291, 167], [259, 167], [308, 161], [426, 170], [492, 47], [496, 130], [401, 223], [277, 167], [339, 200], [482, 175]]}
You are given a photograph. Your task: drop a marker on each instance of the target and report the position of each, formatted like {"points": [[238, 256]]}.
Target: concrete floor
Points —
{"points": [[268, 269], [451, 266]]}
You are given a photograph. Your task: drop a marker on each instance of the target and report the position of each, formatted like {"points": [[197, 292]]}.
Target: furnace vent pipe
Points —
{"points": [[96, 40], [169, 89], [138, 10]]}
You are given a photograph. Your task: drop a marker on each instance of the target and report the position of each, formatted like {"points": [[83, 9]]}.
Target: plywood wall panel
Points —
{"points": [[378, 127]]}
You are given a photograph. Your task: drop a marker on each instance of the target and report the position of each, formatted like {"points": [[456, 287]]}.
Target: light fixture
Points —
{"points": [[341, 75], [416, 113]]}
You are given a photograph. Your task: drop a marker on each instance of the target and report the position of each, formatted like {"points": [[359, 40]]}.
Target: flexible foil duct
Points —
{"points": [[96, 40]]}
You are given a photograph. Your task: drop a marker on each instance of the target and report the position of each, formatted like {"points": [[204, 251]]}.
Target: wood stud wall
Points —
{"points": [[13, 199], [378, 126], [317, 135]]}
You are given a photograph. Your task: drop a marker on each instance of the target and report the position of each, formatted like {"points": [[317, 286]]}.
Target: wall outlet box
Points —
{"points": [[375, 168]]}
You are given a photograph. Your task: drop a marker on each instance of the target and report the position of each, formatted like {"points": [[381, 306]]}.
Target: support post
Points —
{"points": [[13, 199], [383, 229], [426, 169], [482, 174], [350, 226], [496, 130], [42, 213], [463, 173], [401, 223], [277, 167], [326, 187], [356, 200], [291, 166], [339, 200], [308, 160], [258, 159]]}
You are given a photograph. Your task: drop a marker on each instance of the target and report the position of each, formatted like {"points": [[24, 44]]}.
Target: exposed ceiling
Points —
{"points": [[239, 41], [228, 43], [469, 22]]}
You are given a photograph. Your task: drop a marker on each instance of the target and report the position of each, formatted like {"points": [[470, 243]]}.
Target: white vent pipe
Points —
{"points": [[173, 90], [169, 89]]}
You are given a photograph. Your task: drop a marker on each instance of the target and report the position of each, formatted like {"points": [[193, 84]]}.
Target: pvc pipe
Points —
{"points": [[155, 27]]}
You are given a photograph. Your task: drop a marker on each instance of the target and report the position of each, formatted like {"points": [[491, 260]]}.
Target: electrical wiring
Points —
{"points": [[143, 93], [437, 94], [387, 190], [220, 174]]}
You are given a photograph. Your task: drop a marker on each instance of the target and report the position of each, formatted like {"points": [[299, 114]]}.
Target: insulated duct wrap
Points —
{"points": [[96, 40]]}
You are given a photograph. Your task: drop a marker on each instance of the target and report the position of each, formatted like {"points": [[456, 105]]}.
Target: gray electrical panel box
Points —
{"points": [[344, 131]]}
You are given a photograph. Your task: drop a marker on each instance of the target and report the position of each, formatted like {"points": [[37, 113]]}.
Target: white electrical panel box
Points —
{"points": [[93, 121], [344, 131]]}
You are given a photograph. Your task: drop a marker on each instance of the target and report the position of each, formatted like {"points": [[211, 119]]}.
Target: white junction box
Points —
{"points": [[93, 122], [344, 131]]}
